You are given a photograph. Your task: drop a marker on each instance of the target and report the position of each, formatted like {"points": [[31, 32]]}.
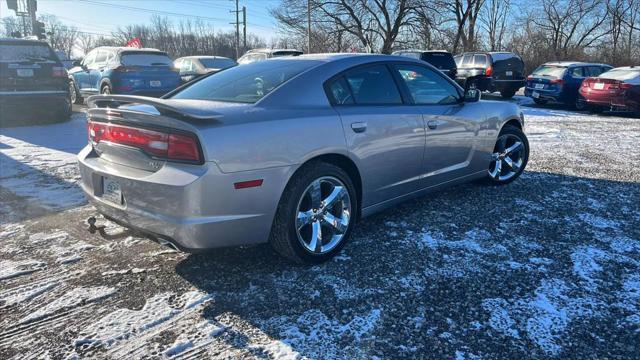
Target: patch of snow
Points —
{"points": [[14, 297], [123, 324], [69, 300], [10, 269]]}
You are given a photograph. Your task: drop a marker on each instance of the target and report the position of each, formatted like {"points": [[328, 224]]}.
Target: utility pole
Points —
{"points": [[308, 26], [237, 24], [244, 29]]}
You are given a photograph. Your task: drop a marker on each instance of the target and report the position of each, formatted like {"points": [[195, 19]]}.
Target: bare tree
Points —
{"points": [[59, 35], [494, 18]]}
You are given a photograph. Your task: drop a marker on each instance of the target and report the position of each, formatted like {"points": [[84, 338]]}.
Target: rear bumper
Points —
{"points": [[195, 207], [16, 106], [507, 85], [549, 95], [604, 99]]}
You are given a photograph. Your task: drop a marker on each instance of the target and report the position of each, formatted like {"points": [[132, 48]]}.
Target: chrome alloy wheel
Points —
{"points": [[323, 215], [507, 157]]}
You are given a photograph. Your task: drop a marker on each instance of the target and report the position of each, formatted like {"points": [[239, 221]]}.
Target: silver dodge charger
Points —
{"points": [[292, 151]]}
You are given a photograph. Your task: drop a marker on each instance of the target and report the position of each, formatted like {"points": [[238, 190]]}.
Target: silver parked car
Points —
{"points": [[292, 151]]}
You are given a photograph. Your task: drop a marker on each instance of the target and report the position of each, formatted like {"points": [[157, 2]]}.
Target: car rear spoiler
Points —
{"points": [[115, 101]]}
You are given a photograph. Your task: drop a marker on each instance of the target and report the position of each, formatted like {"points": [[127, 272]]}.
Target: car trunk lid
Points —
{"points": [[140, 132]]}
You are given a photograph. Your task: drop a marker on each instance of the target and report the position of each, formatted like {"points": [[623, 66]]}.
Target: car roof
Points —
{"points": [[573, 63], [420, 51], [270, 51], [204, 57], [126, 49], [636, 68], [22, 41]]}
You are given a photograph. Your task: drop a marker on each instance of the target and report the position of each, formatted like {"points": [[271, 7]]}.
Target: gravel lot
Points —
{"points": [[548, 266]]}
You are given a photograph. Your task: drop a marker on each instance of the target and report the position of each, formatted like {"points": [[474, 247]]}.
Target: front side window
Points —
{"points": [[247, 83], [373, 85], [427, 87]]}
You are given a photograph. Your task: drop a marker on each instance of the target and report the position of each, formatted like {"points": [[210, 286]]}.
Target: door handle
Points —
{"points": [[432, 124], [359, 127]]}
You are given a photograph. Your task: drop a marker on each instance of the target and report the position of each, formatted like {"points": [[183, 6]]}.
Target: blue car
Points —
{"points": [[122, 70], [559, 82]]}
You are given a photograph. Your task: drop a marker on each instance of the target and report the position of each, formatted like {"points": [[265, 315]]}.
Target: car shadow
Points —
{"points": [[69, 136], [434, 259]]}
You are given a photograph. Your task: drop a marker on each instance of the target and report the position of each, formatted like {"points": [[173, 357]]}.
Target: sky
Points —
{"points": [[104, 16]]}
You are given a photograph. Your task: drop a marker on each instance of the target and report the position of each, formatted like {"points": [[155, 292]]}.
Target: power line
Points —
{"points": [[160, 12]]}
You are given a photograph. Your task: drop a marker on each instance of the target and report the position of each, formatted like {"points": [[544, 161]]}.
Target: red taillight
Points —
{"points": [[625, 86], [530, 77], [586, 82], [156, 143], [59, 71], [123, 68], [489, 71], [557, 81]]}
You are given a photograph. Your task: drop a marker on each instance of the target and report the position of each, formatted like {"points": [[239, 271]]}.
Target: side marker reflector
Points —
{"points": [[248, 184]]}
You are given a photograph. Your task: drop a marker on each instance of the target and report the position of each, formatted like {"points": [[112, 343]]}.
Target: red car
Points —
{"points": [[616, 89]]}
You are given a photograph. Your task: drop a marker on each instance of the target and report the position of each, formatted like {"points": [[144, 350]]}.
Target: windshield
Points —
{"points": [[26, 52], [145, 59], [547, 70], [440, 60], [245, 84], [622, 74], [217, 63]]}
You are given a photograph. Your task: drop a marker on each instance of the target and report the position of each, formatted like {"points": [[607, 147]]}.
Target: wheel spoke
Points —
{"points": [[304, 218], [338, 224], [498, 170], [316, 237], [512, 164], [513, 147], [316, 195], [336, 195]]}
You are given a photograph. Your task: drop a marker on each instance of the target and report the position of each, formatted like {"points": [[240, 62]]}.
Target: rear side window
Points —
{"points": [[245, 84], [26, 52], [576, 72], [480, 60], [427, 87], [340, 93], [373, 85], [145, 59]]}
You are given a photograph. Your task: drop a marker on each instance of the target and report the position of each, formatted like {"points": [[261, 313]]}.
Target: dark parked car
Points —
{"points": [[34, 84], [616, 89], [123, 70], [192, 67], [491, 71], [559, 82], [264, 54], [440, 59]]}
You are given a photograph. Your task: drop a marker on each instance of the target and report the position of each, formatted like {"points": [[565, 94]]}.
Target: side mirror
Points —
{"points": [[76, 63], [472, 95]]}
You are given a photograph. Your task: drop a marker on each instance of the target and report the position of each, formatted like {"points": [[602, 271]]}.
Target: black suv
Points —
{"points": [[491, 71], [440, 59], [34, 85]]}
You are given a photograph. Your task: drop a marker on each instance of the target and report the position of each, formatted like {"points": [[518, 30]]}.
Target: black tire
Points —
{"points": [[580, 104], [511, 132], [507, 94], [76, 98], [540, 101], [105, 89], [283, 237]]}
